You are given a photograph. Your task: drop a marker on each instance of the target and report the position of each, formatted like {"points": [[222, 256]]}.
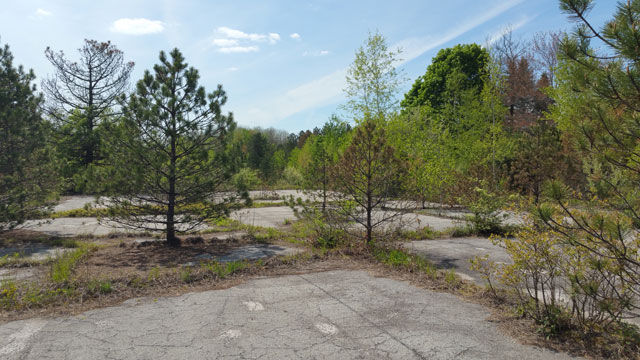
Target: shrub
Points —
{"points": [[486, 218], [292, 176], [246, 179]]}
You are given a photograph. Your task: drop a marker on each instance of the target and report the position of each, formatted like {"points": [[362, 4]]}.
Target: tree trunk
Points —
{"points": [[172, 240]]}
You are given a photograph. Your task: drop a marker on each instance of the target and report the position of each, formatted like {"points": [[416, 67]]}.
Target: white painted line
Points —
{"points": [[230, 334], [327, 329], [253, 306], [18, 340]]}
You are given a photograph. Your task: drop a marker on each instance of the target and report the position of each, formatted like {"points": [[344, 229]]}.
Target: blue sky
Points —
{"points": [[282, 62]]}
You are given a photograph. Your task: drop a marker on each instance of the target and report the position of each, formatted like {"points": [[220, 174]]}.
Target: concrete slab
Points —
{"points": [[257, 251], [330, 315], [34, 251], [68, 227], [266, 217], [455, 254]]}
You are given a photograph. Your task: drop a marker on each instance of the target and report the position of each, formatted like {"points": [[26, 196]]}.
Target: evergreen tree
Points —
{"points": [[167, 150], [26, 177], [597, 103], [80, 96]]}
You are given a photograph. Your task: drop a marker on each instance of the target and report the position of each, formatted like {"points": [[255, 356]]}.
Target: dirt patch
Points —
{"points": [[123, 257]]}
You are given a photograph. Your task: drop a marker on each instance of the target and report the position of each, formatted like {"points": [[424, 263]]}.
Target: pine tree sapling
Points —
{"points": [[167, 151]]}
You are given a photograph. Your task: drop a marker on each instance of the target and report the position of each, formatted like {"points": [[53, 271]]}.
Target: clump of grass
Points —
{"points": [[426, 233], [410, 262], [185, 275], [63, 266], [99, 286], [462, 231], [222, 270]]}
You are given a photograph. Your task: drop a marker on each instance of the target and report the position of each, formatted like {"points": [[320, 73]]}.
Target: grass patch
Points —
{"points": [[64, 265]]}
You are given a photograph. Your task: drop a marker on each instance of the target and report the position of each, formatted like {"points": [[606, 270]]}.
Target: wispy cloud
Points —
{"points": [[230, 40], [414, 47], [238, 49], [40, 14], [328, 88], [224, 42], [233, 68], [138, 26], [316, 53], [295, 36], [491, 39]]}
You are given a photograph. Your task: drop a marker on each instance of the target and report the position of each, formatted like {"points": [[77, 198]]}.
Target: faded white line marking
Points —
{"points": [[103, 324], [253, 306], [18, 341], [230, 334], [327, 329]]}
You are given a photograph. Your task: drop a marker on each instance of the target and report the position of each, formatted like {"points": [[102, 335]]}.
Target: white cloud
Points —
{"points": [[138, 26], [295, 36], [225, 42], [316, 53], [229, 33], [233, 68], [328, 89], [230, 40], [273, 38], [238, 49], [42, 12]]}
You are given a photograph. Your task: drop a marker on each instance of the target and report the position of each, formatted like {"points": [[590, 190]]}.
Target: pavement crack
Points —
{"points": [[416, 353]]}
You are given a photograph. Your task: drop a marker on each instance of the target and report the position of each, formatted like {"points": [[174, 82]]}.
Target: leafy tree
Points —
{"points": [[167, 150], [26, 176], [372, 80], [325, 149], [597, 102], [366, 177], [452, 71], [423, 145], [82, 94]]}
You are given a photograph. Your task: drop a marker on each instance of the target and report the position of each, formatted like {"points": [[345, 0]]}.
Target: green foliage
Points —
{"points": [[62, 268], [99, 287], [80, 98], [245, 179], [366, 177], [452, 72], [27, 179], [485, 207], [372, 80], [167, 150], [292, 176], [410, 262]]}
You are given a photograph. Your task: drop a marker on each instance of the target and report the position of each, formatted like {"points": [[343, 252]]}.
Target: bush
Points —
{"points": [[246, 179], [486, 218], [292, 176], [560, 285]]}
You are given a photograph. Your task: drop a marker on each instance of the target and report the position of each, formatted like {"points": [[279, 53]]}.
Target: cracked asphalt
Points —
{"points": [[327, 315]]}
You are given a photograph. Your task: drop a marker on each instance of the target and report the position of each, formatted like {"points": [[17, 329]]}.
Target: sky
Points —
{"points": [[282, 62]]}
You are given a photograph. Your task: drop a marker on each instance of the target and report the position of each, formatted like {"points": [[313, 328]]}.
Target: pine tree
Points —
{"points": [[167, 152], [26, 179]]}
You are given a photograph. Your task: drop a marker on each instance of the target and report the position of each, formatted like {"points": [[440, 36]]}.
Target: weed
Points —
{"points": [[185, 275], [99, 286], [154, 274], [63, 266], [451, 279], [8, 293]]}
